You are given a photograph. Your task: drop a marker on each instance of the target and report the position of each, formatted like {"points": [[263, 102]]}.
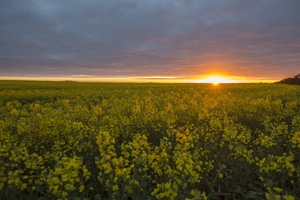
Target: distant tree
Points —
{"points": [[292, 81], [297, 76]]}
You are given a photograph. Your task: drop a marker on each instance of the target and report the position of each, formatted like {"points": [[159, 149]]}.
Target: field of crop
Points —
{"points": [[149, 141]]}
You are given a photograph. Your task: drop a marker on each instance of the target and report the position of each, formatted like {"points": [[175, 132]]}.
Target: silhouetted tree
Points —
{"points": [[292, 81], [297, 76]]}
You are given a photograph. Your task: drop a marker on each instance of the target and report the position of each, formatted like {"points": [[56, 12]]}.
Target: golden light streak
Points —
{"points": [[215, 79]]}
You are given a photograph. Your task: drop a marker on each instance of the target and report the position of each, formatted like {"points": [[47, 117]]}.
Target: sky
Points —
{"points": [[255, 40]]}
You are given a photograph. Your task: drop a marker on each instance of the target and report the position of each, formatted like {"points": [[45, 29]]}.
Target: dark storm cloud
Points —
{"points": [[151, 37]]}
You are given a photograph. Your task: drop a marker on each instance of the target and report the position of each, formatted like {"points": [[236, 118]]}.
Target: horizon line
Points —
{"points": [[134, 79]]}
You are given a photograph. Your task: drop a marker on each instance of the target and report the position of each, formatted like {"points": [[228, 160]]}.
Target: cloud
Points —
{"points": [[155, 38]]}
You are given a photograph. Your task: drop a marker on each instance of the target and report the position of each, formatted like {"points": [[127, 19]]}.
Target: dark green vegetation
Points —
{"points": [[149, 141]]}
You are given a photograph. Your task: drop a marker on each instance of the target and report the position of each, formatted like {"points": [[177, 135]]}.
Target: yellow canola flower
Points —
{"points": [[69, 187], [277, 163], [295, 140], [67, 175], [115, 187], [277, 189], [221, 176], [288, 197], [271, 196], [81, 188]]}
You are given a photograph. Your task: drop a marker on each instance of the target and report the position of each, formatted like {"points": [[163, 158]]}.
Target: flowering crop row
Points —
{"points": [[149, 141]]}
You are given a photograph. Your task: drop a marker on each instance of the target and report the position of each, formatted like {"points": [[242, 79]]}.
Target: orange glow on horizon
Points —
{"points": [[218, 79], [214, 79]]}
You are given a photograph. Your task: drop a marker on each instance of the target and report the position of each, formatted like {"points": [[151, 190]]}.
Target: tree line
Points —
{"points": [[292, 81]]}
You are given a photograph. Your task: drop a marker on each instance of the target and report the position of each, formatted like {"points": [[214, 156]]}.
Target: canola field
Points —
{"points": [[70, 140]]}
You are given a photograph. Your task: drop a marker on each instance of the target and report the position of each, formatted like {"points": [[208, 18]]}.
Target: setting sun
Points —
{"points": [[216, 80]]}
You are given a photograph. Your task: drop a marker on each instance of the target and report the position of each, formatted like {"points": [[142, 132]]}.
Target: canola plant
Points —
{"points": [[68, 140]]}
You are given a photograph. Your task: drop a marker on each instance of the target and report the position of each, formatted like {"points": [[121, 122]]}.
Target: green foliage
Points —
{"points": [[149, 141]]}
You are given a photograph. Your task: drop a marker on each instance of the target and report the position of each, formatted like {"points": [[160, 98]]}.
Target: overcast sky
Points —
{"points": [[181, 38]]}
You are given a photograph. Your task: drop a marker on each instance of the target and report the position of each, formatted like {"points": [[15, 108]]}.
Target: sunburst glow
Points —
{"points": [[216, 80]]}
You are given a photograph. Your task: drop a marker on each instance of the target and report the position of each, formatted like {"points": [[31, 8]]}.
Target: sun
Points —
{"points": [[216, 80]]}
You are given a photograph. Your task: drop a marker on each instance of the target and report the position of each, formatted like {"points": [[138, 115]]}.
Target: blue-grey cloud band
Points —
{"points": [[155, 38]]}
